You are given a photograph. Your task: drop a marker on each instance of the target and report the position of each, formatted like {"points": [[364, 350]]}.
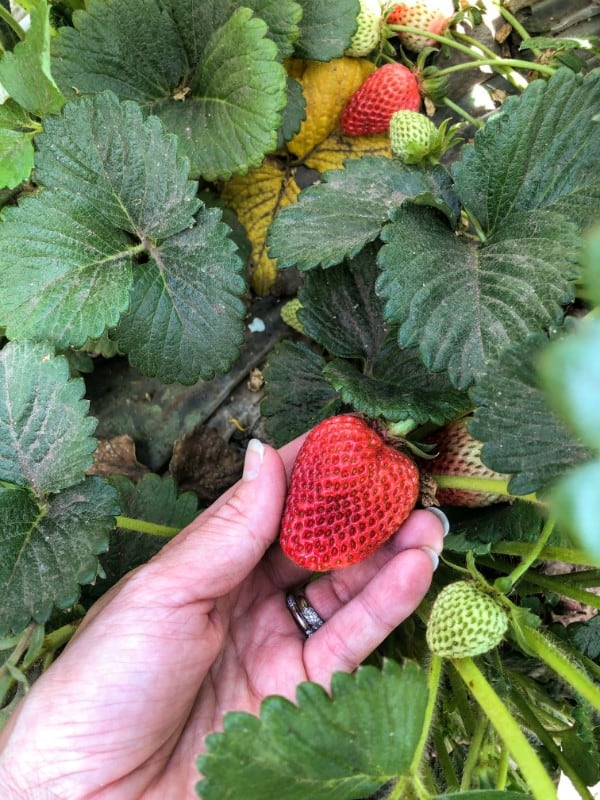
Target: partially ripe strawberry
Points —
{"points": [[465, 621], [349, 492], [390, 88], [428, 15], [368, 33], [460, 454]]}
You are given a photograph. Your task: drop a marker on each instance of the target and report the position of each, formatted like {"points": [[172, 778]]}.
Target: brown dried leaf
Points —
{"points": [[117, 457], [204, 463], [256, 198]]}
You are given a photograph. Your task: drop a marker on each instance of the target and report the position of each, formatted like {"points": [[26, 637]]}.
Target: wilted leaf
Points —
{"points": [[463, 302], [256, 198], [551, 141], [327, 87], [345, 745], [204, 463], [117, 456], [336, 149]]}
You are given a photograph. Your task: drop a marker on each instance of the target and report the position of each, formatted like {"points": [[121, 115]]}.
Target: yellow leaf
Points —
{"points": [[327, 87], [256, 198], [337, 148]]}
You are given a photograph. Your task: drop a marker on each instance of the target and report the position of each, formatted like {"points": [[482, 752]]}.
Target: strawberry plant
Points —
{"points": [[163, 162]]}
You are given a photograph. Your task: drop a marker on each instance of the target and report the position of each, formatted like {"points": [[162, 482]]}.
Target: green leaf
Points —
{"points": [[294, 113], [47, 550], [126, 167], [153, 499], [65, 273], [463, 303], [483, 794], [592, 265], [480, 529], [550, 139], [45, 434], [326, 28], [340, 309], [585, 637], [344, 746], [297, 395], [576, 503], [192, 18], [337, 217], [570, 371], [185, 320], [25, 72], [16, 157], [523, 436], [399, 388], [216, 57]]}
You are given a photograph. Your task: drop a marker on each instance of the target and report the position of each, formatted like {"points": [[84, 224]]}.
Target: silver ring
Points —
{"points": [[304, 615]]}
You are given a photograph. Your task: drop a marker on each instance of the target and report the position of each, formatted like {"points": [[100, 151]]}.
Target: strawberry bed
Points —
{"points": [[258, 270]]}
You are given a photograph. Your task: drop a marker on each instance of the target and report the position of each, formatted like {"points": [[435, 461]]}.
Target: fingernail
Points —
{"points": [[253, 460], [442, 518], [432, 555]]}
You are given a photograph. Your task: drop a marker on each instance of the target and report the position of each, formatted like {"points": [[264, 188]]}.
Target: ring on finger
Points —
{"points": [[304, 615]]}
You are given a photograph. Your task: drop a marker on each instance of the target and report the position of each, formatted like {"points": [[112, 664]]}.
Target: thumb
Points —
{"points": [[222, 546]]}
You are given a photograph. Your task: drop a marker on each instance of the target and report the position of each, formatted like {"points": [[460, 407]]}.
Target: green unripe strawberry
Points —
{"points": [[415, 139], [368, 33], [465, 621]]}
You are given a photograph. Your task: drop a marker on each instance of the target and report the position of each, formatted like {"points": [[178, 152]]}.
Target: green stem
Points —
{"points": [[515, 25], [538, 780], [568, 555], [476, 225], [517, 63], [7, 17], [143, 526], [554, 583], [502, 771], [534, 552], [6, 678], [487, 485], [511, 75], [444, 760], [534, 725], [462, 702], [474, 751], [567, 671], [476, 123], [433, 684]]}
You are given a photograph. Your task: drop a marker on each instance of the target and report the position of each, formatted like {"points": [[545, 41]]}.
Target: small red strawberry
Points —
{"points": [[428, 15], [460, 454], [390, 88], [349, 491]]}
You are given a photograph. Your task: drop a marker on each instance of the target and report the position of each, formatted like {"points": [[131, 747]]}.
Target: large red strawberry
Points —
{"points": [[427, 15], [349, 491], [390, 88]]}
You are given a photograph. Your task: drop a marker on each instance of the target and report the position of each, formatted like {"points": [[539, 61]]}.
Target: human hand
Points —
{"points": [[200, 630]]}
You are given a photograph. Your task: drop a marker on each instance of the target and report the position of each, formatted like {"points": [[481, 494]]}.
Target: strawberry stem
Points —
{"points": [[568, 671], [538, 780], [142, 526], [485, 485], [516, 26], [476, 123], [434, 678], [518, 63], [534, 553], [511, 75]]}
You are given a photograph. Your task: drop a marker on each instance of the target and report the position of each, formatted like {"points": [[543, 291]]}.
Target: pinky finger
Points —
{"points": [[359, 627]]}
